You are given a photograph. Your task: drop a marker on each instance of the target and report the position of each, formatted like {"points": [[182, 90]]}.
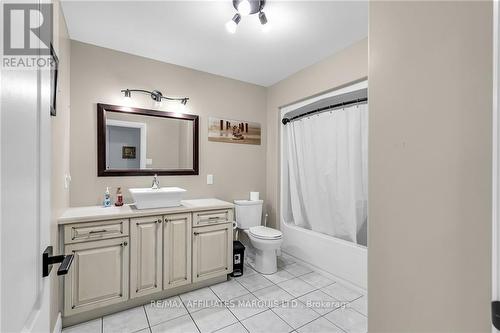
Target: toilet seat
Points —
{"points": [[262, 232]]}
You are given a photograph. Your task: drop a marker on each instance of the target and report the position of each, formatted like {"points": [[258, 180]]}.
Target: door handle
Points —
{"points": [[97, 231], [65, 265], [48, 260], [495, 314]]}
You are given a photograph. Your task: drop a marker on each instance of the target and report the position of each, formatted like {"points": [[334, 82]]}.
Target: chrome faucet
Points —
{"points": [[156, 183]]}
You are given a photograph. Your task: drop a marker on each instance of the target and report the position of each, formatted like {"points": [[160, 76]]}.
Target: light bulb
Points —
{"points": [[244, 7], [231, 26]]}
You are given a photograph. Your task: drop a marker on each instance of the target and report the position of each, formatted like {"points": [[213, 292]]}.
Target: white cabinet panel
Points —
{"points": [[145, 255], [177, 250], [212, 251], [99, 276]]}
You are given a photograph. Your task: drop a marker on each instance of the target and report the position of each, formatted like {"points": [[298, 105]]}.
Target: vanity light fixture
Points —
{"points": [[262, 18], [156, 95], [247, 7]]}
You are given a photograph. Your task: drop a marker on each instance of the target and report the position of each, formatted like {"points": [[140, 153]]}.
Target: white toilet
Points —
{"points": [[265, 240]]}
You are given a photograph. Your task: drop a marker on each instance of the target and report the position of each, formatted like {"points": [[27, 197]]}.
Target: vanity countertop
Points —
{"points": [[93, 213]]}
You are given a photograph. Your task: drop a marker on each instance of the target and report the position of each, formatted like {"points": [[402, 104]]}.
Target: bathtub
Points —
{"points": [[340, 258], [335, 256]]}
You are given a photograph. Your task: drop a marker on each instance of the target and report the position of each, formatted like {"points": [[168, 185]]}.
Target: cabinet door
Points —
{"points": [[212, 251], [177, 250], [145, 256], [99, 276]]}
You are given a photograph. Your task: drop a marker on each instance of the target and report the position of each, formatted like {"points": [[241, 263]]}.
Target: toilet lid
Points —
{"points": [[265, 232]]}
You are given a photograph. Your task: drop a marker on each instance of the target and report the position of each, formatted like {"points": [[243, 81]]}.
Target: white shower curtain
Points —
{"points": [[328, 171]]}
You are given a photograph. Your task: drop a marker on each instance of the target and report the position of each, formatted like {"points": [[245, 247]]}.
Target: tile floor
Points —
{"points": [[295, 299]]}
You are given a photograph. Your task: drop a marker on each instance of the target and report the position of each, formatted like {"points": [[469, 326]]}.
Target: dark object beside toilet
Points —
{"points": [[238, 258]]}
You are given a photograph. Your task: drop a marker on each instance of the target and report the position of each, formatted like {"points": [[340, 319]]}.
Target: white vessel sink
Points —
{"points": [[157, 198]]}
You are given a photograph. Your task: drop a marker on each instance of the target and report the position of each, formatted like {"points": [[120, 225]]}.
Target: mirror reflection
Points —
{"points": [[135, 141]]}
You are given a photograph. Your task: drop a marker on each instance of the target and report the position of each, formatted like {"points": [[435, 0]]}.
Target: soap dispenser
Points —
{"points": [[119, 197], [107, 198]]}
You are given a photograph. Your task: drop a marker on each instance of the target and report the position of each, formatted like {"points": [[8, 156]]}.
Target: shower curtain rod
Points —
{"points": [[325, 108]]}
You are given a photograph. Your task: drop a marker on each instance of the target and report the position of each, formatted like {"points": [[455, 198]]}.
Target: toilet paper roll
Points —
{"points": [[254, 196]]}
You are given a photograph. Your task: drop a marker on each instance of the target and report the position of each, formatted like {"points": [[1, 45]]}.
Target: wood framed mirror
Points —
{"points": [[141, 142]]}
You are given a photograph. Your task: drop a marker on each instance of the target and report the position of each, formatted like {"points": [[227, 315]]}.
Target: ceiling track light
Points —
{"points": [[233, 24], [156, 95], [244, 8]]}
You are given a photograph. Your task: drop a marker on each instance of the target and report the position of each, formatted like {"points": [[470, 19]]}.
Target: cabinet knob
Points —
{"points": [[159, 221], [196, 233], [124, 244]]}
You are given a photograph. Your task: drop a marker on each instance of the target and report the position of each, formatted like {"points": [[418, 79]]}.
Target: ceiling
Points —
{"points": [[192, 33]]}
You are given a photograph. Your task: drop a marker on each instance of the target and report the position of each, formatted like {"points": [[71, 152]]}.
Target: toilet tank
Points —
{"points": [[248, 213]]}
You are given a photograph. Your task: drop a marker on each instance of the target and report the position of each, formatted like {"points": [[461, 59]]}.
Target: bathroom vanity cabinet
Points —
{"points": [[212, 251], [99, 276], [177, 249], [124, 257], [146, 246]]}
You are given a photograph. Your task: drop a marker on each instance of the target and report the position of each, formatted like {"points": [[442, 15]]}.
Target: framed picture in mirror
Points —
{"points": [[128, 152]]}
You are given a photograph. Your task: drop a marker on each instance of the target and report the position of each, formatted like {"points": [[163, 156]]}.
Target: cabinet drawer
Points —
{"points": [[210, 217], [90, 231]]}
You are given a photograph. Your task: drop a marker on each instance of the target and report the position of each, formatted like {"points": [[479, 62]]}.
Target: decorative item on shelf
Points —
{"points": [[128, 152], [119, 197], [233, 131], [244, 8], [156, 95]]}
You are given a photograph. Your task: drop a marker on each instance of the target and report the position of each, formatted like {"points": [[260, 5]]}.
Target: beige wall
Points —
{"points": [[60, 145], [346, 66], [429, 233], [98, 75]]}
